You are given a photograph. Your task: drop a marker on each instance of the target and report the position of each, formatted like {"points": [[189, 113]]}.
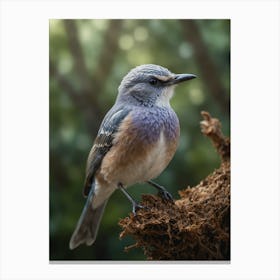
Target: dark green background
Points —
{"points": [[88, 59]]}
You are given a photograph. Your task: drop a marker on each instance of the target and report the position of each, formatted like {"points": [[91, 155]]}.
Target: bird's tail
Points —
{"points": [[88, 224]]}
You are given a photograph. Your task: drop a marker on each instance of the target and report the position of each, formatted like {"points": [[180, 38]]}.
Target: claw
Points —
{"points": [[136, 207], [165, 195], [162, 192]]}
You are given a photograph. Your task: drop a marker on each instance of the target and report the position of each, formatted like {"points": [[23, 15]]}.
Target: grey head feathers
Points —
{"points": [[143, 73], [144, 85]]}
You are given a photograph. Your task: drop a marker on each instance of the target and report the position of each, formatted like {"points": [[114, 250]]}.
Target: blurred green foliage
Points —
{"points": [[88, 59]]}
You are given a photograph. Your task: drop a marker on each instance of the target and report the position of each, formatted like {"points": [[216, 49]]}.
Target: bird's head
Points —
{"points": [[150, 85]]}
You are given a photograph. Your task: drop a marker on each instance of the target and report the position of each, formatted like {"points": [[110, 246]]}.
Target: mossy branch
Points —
{"points": [[194, 227]]}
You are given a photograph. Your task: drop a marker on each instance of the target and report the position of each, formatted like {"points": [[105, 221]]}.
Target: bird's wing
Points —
{"points": [[103, 143]]}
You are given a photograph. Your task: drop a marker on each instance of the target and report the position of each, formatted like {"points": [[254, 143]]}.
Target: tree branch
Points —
{"points": [[77, 53], [80, 101], [207, 66], [211, 127], [107, 55], [91, 85]]}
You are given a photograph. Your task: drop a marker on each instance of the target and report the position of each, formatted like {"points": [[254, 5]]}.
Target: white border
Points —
{"points": [[255, 138]]}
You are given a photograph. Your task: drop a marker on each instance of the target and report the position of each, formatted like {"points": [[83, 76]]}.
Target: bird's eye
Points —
{"points": [[153, 81]]}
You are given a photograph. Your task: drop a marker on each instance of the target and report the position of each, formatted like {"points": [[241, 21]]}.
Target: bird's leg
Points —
{"points": [[161, 190], [135, 205]]}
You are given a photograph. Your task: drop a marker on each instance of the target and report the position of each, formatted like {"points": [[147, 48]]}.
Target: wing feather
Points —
{"points": [[103, 143]]}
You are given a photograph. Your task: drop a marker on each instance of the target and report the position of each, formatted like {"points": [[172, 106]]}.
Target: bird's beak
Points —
{"points": [[178, 78]]}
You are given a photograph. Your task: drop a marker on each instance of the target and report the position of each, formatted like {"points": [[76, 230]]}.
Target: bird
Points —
{"points": [[136, 141]]}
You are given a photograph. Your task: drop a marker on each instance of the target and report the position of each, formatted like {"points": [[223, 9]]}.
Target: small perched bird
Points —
{"points": [[136, 140]]}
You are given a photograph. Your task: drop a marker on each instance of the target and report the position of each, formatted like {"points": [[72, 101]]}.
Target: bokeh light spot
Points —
{"points": [[140, 34], [100, 24], [126, 42], [136, 57], [196, 96], [185, 50], [65, 64]]}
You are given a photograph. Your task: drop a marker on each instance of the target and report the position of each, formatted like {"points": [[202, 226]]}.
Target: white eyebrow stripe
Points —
{"points": [[163, 78]]}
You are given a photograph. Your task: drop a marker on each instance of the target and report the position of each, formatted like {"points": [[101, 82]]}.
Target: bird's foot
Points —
{"points": [[164, 194], [136, 206]]}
